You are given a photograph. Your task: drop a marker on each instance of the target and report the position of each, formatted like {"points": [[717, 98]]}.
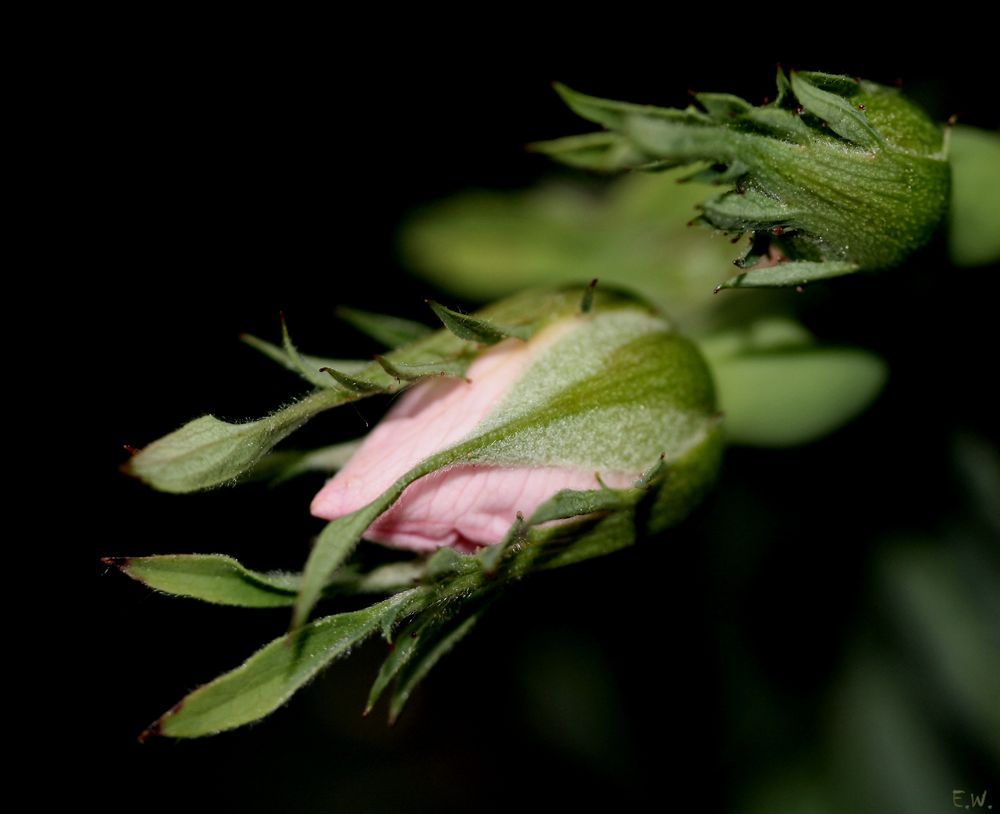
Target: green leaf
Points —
{"points": [[222, 580], [973, 235], [392, 332], [268, 679], [477, 330]]}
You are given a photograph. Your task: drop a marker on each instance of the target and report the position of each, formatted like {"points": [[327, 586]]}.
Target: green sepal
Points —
{"points": [[597, 152], [455, 591], [477, 330], [269, 677], [410, 373], [207, 452], [310, 365], [788, 274], [222, 580], [354, 384], [836, 106]]}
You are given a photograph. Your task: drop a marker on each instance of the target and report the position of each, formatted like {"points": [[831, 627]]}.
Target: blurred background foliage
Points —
{"points": [[823, 635]]}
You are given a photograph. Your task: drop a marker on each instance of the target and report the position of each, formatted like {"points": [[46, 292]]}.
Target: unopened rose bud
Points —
{"points": [[591, 401], [548, 428]]}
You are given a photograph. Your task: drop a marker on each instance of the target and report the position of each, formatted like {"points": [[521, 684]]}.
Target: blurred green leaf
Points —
{"points": [[955, 635], [974, 218], [778, 389], [791, 792], [886, 757], [631, 232], [977, 462]]}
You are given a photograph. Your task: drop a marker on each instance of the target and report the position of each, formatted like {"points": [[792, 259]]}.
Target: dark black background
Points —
{"points": [[210, 185]]}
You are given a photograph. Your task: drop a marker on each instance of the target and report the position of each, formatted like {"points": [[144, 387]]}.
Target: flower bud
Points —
{"points": [[590, 401], [834, 176]]}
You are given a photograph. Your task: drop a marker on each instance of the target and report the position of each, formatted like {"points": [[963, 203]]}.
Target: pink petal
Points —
{"points": [[464, 505], [469, 505]]}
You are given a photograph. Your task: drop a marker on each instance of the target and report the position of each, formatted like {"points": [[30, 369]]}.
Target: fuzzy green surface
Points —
{"points": [[833, 170]]}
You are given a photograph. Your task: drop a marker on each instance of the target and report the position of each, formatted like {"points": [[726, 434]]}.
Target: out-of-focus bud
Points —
{"points": [[834, 176]]}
